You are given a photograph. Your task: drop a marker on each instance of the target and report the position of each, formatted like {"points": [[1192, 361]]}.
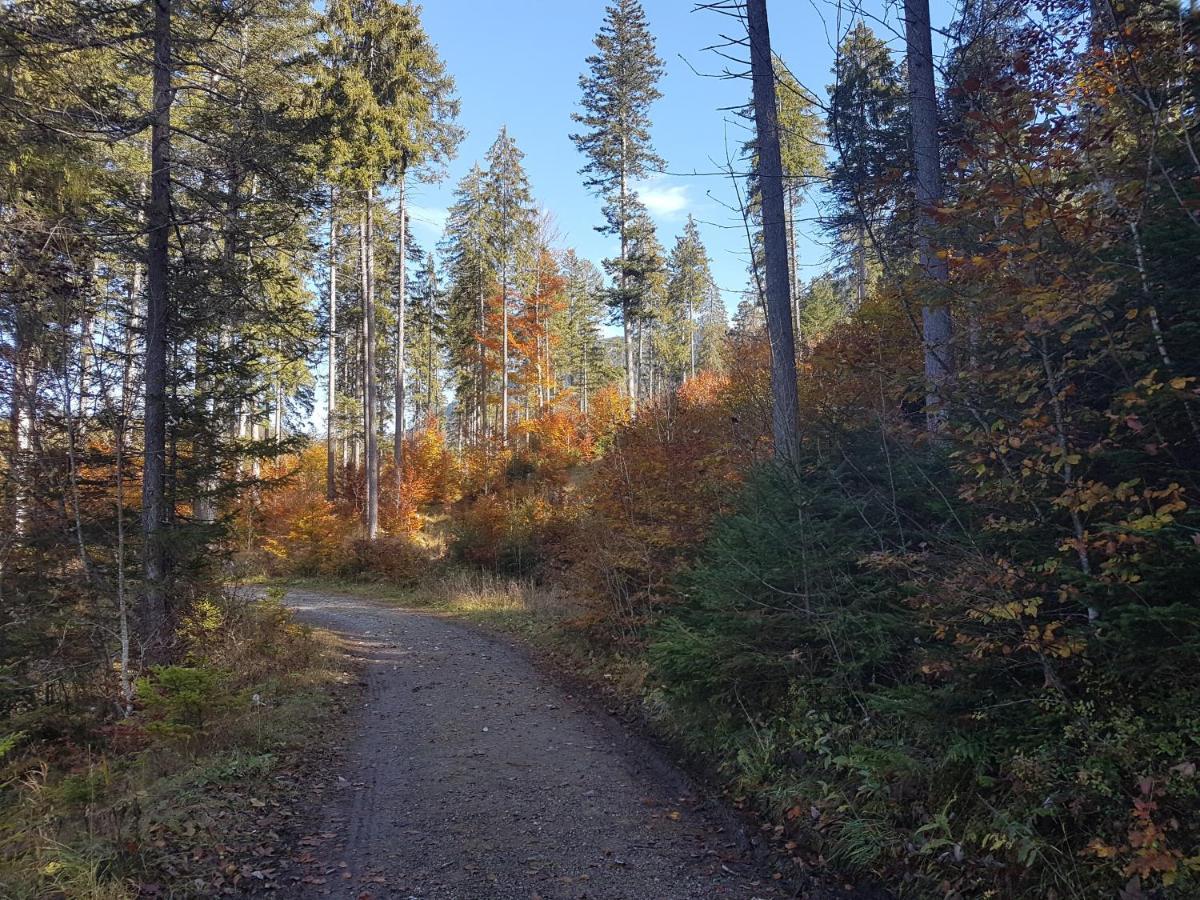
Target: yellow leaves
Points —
{"points": [[1099, 849], [935, 668], [1017, 608]]}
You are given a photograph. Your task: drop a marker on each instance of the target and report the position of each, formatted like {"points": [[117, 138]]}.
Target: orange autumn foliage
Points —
{"points": [[302, 532], [665, 477]]}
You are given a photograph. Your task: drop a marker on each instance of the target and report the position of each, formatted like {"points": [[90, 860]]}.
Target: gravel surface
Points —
{"points": [[468, 774]]}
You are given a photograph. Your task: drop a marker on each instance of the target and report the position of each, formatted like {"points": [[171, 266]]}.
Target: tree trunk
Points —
{"points": [[153, 612], [370, 394], [691, 339], [793, 260], [923, 116], [125, 680], [429, 338], [331, 401], [641, 358], [785, 407], [24, 389], [630, 372], [401, 299], [481, 384], [860, 264], [504, 355], [583, 380]]}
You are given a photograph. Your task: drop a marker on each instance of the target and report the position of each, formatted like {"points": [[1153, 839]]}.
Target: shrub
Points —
{"points": [[183, 701], [397, 559], [855, 657]]}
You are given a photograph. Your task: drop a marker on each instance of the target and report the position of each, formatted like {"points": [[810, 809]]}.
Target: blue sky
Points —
{"points": [[517, 63]]}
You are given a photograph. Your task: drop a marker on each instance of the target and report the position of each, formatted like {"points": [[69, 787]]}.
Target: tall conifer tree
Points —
{"points": [[510, 228], [618, 92]]}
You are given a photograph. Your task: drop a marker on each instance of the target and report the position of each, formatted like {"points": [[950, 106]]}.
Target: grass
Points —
{"points": [[515, 605], [135, 802]]}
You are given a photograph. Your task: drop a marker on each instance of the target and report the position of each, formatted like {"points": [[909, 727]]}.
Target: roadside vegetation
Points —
{"points": [[183, 795]]}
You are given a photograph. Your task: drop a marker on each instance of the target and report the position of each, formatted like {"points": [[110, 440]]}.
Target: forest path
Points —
{"points": [[468, 774]]}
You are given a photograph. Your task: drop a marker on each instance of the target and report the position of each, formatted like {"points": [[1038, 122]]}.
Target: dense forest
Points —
{"points": [[904, 554]]}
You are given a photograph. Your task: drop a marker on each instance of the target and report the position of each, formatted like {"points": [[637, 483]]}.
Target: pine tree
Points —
{"points": [[510, 228], [802, 153], [690, 288], [868, 182], [618, 92], [391, 107], [468, 262], [579, 354]]}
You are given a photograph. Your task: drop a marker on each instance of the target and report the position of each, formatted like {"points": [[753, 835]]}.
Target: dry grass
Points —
{"points": [[88, 820], [466, 592]]}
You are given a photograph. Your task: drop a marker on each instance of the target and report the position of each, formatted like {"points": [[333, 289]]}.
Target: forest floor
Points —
{"points": [[470, 773]]}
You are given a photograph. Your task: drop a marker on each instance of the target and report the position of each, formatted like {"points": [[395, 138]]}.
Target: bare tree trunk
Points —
{"points": [[691, 341], [481, 384], [367, 254], [860, 265], [331, 396], [583, 379], [793, 261], [640, 382], [785, 406], [123, 617], [277, 412], [24, 390], [429, 338], [631, 386], [543, 361], [72, 423], [504, 355], [401, 299], [153, 613], [126, 682], [923, 116]]}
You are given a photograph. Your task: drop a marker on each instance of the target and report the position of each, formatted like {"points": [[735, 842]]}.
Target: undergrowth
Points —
{"points": [[93, 806]]}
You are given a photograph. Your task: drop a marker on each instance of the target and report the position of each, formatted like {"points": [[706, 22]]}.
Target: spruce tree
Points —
{"points": [[429, 323], [868, 182], [431, 137], [690, 287], [802, 153], [510, 227], [468, 263], [618, 91], [579, 353], [391, 108]]}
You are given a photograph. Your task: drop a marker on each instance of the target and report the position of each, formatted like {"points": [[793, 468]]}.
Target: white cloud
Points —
{"points": [[665, 201], [432, 219]]}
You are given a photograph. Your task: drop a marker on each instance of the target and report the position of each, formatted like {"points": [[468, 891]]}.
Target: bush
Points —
{"points": [[397, 559], [651, 500], [89, 803], [502, 534], [855, 657], [183, 701]]}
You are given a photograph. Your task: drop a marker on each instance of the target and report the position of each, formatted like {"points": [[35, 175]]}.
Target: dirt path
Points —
{"points": [[469, 775]]}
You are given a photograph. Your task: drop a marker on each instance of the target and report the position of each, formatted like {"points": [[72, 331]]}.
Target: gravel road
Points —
{"points": [[469, 774]]}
